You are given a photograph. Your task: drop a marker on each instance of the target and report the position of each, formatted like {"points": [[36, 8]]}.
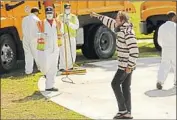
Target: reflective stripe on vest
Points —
{"points": [[41, 40], [71, 31]]}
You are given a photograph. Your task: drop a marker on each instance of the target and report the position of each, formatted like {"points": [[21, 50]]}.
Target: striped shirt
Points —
{"points": [[126, 44]]}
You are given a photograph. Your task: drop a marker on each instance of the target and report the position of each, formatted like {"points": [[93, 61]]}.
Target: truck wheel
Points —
{"points": [[155, 37], [8, 53], [88, 47], [104, 43]]}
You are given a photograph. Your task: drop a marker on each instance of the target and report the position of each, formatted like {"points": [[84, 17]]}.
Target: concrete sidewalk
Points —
{"points": [[92, 95]]}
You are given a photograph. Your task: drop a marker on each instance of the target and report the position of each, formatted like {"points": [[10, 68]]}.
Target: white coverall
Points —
{"points": [[30, 30], [48, 58], [71, 50], [167, 40]]}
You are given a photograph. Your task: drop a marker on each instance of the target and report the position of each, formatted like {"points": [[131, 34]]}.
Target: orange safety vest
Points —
{"points": [[41, 39]]}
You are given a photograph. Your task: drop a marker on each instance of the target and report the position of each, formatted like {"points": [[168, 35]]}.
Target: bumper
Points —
{"points": [[143, 27]]}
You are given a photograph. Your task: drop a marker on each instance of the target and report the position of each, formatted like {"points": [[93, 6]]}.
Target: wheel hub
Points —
{"points": [[7, 54], [104, 44]]}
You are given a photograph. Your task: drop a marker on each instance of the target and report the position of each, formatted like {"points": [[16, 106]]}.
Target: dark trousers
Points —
{"points": [[121, 87]]}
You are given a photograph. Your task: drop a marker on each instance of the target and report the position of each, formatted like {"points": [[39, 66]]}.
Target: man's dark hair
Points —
{"points": [[67, 6], [33, 10], [170, 15]]}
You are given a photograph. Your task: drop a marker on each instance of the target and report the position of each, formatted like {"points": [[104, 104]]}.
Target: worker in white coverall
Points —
{"points": [[167, 41], [29, 30], [49, 49], [69, 36]]}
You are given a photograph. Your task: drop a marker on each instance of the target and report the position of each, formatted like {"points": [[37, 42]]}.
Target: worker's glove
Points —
{"points": [[67, 21]]}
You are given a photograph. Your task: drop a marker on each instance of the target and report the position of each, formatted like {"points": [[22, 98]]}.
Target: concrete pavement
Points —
{"points": [[92, 95]]}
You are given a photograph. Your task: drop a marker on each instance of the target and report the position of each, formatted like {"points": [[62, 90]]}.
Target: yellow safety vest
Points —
{"points": [[72, 32], [59, 34], [41, 39]]}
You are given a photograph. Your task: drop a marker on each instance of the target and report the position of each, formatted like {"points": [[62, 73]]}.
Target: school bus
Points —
{"points": [[153, 15], [95, 40]]}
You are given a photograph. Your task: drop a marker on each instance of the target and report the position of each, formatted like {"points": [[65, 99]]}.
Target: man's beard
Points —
{"points": [[117, 29]]}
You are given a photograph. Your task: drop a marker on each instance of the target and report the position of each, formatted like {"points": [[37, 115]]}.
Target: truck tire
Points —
{"points": [[155, 37], [88, 47], [7, 53], [104, 43]]}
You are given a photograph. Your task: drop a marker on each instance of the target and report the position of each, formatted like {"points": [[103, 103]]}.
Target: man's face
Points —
{"points": [[67, 10], [174, 19], [119, 22], [36, 13]]}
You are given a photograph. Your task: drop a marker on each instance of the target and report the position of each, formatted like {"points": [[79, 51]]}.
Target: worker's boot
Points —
{"points": [[159, 86], [52, 89], [174, 85]]}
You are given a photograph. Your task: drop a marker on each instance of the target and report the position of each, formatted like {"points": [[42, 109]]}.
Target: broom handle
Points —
{"points": [[66, 58], [70, 45]]}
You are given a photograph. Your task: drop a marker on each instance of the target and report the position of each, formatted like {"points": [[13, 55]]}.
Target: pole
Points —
{"points": [[66, 58]]}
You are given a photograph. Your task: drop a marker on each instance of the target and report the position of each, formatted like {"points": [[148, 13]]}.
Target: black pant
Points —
{"points": [[121, 87]]}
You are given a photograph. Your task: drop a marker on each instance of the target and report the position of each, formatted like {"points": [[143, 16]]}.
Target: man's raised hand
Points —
{"points": [[93, 14]]}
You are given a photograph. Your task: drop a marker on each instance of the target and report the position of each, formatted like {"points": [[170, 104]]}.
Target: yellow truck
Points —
{"points": [[95, 40], [153, 15]]}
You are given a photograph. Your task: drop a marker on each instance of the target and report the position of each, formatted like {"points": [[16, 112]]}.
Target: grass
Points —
{"points": [[20, 99], [135, 19], [147, 50]]}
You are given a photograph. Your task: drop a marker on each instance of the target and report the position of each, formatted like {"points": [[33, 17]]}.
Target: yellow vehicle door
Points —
{"points": [[20, 9], [6, 16]]}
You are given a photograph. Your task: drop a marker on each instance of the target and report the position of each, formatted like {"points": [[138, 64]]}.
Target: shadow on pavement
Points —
{"points": [[38, 95], [110, 66], [161, 93], [18, 71], [35, 96]]}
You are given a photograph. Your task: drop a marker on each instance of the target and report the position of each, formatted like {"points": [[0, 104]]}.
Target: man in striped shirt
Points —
{"points": [[127, 55]]}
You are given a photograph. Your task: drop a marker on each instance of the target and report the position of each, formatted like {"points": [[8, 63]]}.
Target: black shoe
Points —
{"points": [[52, 89], [71, 68], [159, 86], [61, 70], [125, 115], [118, 115]]}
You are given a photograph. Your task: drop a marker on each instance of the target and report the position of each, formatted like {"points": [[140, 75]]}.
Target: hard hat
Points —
{"points": [[49, 10], [67, 6]]}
